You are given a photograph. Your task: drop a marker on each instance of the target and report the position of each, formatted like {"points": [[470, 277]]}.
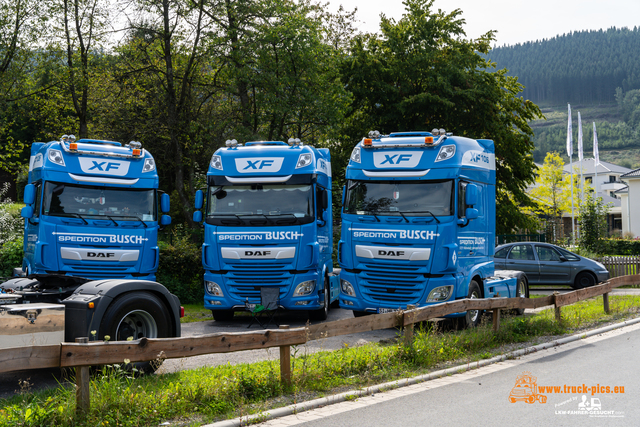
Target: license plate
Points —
{"points": [[387, 310]]}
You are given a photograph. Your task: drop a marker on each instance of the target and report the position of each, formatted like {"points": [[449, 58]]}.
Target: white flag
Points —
{"points": [[579, 137], [569, 136], [596, 155]]}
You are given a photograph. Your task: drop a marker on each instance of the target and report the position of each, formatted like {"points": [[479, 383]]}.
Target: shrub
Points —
{"points": [[10, 257], [180, 268]]}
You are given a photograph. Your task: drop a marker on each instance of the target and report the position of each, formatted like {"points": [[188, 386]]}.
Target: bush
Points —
{"points": [[10, 257], [180, 268], [619, 247]]}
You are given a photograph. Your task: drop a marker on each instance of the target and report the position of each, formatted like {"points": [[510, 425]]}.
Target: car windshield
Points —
{"points": [[260, 204], [410, 198], [83, 201]]}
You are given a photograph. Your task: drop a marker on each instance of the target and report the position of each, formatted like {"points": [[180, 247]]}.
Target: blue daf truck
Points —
{"points": [[92, 214], [418, 224], [268, 223]]}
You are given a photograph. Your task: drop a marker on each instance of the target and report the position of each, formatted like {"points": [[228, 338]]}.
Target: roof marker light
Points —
{"points": [[428, 140], [73, 146], [368, 142]]}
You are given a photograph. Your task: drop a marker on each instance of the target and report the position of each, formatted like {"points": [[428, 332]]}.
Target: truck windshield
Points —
{"points": [[260, 204], [83, 201], [409, 198]]}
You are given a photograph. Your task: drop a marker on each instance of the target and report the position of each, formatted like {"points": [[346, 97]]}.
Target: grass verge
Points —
{"points": [[212, 393]]}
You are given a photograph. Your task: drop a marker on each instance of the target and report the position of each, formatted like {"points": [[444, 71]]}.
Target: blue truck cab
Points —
{"points": [[92, 210], [418, 224], [268, 223]]}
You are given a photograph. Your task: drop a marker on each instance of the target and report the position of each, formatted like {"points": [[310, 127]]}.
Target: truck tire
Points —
{"points": [[222, 315], [137, 315], [522, 291], [321, 314], [472, 318]]}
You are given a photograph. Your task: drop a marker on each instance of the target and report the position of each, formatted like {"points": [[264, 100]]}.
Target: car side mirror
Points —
{"points": [[563, 259]]}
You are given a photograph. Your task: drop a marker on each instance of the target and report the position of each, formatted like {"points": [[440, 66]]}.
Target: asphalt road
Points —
{"points": [[482, 396]]}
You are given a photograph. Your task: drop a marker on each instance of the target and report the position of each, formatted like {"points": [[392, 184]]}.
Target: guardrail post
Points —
{"points": [[83, 398], [408, 330], [556, 307], [605, 300], [285, 362], [496, 319]]}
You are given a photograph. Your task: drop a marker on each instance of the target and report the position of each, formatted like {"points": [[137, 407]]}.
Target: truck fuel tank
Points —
{"points": [[31, 324]]}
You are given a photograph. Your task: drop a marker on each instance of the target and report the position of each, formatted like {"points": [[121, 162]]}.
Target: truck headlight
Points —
{"points": [[216, 162], [347, 288], [304, 288], [149, 165], [55, 156], [441, 293], [355, 155], [213, 289], [304, 160]]}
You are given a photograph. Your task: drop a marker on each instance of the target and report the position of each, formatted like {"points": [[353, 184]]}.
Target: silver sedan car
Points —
{"points": [[546, 264]]}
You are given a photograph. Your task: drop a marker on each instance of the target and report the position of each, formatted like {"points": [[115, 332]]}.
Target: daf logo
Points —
{"points": [[257, 253], [100, 254], [104, 166], [390, 253]]}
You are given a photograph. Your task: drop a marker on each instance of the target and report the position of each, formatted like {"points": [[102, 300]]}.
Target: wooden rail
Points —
{"points": [[83, 354]]}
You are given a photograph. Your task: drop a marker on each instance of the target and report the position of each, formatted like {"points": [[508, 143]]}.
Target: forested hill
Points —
{"points": [[579, 67]]}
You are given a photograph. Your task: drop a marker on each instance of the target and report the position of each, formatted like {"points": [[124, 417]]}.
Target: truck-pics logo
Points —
{"points": [[259, 164], [526, 389], [397, 159], [96, 166]]}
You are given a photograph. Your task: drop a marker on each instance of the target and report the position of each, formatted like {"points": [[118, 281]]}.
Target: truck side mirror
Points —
{"points": [[199, 200], [471, 213], [27, 212], [165, 220], [471, 196], [197, 216], [325, 199], [165, 203], [29, 195]]}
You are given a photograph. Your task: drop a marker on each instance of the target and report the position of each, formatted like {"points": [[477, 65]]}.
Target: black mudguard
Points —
{"points": [[81, 320]]}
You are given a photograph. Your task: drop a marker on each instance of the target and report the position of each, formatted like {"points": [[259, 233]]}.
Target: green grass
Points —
{"points": [[195, 313], [213, 393]]}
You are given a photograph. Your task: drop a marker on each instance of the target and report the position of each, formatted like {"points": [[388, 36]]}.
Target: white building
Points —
{"points": [[630, 197]]}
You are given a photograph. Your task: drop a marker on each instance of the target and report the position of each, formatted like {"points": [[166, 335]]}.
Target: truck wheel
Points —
{"points": [[322, 313], [137, 315], [522, 291], [222, 315], [584, 280], [472, 318]]}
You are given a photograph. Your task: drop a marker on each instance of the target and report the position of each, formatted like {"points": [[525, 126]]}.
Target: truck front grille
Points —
{"points": [[245, 280], [399, 284]]}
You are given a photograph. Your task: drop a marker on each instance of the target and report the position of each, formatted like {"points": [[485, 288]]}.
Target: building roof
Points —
{"points": [[589, 169], [632, 174]]}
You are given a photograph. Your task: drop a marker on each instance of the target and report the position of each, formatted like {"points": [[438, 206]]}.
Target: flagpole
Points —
{"points": [[596, 157], [570, 152]]}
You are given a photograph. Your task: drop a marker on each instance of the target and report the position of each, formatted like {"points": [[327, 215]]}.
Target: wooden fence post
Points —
{"points": [[285, 362], [557, 308], [605, 300], [408, 330], [496, 319], [83, 398]]}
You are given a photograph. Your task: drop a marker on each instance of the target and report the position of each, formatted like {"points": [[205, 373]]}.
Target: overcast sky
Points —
{"points": [[516, 21]]}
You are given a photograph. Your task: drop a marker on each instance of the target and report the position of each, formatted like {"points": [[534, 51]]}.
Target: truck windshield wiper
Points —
{"points": [[127, 216], [72, 215], [427, 212], [374, 215]]}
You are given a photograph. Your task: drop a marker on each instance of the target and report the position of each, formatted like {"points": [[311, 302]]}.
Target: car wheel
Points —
{"points": [[584, 280]]}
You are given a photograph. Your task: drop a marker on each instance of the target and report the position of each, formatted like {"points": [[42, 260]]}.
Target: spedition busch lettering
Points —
{"points": [[395, 234], [258, 236], [98, 238]]}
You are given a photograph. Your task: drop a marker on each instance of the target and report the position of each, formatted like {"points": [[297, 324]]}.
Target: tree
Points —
{"points": [[552, 194], [593, 222], [420, 73]]}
